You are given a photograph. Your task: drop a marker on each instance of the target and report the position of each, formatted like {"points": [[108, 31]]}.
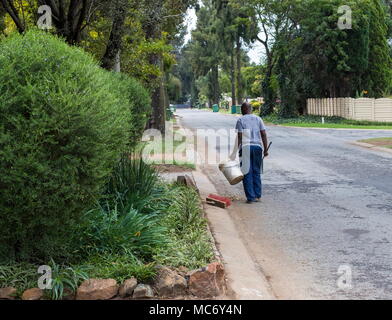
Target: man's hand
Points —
{"points": [[265, 142]]}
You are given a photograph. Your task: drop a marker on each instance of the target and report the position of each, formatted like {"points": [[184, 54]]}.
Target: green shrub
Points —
{"points": [[62, 127], [139, 105], [256, 105]]}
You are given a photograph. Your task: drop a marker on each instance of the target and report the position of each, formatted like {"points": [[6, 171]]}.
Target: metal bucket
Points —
{"points": [[232, 172]]}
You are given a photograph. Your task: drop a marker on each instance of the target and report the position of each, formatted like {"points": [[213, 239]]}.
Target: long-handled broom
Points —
{"points": [[262, 165]]}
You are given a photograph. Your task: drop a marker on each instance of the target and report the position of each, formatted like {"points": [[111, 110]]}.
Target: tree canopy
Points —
{"points": [[312, 48]]}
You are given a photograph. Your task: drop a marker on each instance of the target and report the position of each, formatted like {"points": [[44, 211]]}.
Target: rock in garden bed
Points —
{"points": [[143, 291], [33, 294], [97, 289], [169, 283], [8, 293], [204, 283], [127, 288], [207, 282]]}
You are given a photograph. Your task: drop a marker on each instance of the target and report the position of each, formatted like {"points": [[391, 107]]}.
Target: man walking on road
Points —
{"points": [[253, 144]]}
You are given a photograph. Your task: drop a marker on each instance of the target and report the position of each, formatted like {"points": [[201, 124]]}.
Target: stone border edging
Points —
{"points": [[170, 283]]}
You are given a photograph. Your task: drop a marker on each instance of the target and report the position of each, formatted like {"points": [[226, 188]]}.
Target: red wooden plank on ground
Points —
{"points": [[221, 199]]}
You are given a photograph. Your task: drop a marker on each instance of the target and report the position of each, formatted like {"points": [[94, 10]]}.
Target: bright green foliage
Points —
{"points": [[62, 128], [252, 79]]}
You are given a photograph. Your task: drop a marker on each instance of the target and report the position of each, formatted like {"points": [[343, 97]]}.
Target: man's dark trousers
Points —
{"points": [[252, 158]]}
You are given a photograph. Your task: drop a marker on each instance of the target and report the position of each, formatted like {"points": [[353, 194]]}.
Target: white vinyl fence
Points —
{"points": [[350, 108]]}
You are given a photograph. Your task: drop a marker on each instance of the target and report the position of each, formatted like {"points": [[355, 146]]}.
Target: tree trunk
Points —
{"points": [[158, 116], [215, 84], [152, 28], [111, 58], [239, 76], [117, 66], [13, 12], [268, 92], [69, 22], [232, 78]]}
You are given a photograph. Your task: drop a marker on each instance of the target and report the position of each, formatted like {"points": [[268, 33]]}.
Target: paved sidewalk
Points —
{"points": [[244, 278], [246, 281]]}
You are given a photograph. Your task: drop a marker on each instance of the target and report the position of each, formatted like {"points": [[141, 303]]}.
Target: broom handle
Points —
{"points": [[269, 146]]}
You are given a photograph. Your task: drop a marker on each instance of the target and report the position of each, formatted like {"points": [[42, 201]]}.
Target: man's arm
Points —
{"points": [[239, 139], [265, 142]]}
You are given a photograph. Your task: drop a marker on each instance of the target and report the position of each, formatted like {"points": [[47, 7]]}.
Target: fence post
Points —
{"points": [[320, 105], [328, 107], [353, 106], [374, 109], [338, 107]]}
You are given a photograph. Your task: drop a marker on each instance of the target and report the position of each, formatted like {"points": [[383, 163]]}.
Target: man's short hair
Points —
{"points": [[246, 108]]}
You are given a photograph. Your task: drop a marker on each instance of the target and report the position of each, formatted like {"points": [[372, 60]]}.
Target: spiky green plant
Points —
{"points": [[64, 278], [111, 231]]}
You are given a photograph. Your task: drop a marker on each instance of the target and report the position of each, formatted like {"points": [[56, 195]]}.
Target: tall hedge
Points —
{"points": [[139, 104], [62, 128]]}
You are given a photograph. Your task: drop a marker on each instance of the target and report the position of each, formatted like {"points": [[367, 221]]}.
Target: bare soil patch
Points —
{"points": [[171, 168]]}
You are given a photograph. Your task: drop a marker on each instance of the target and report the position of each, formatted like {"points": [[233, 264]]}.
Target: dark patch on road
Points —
{"points": [[339, 207], [385, 207], [356, 233]]}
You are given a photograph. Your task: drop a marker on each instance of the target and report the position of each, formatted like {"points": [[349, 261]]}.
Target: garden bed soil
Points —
{"points": [[172, 168]]}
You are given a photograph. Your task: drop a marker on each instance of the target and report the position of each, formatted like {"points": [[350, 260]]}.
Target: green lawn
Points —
{"points": [[337, 126], [330, 122], [316, 122]]}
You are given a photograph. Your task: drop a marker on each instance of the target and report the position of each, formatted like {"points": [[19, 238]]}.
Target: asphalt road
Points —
{"points": [[327, 207]]}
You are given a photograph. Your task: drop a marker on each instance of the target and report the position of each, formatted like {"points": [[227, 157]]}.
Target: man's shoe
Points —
{"points": [[258, 200], [250, 201]]}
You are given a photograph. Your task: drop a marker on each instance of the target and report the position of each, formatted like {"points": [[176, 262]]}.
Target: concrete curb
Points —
{"points": [[370, 146], [245, 280]]}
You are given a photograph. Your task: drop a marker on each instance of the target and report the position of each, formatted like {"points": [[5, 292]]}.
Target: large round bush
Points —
{"points": [[62, 128]]}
